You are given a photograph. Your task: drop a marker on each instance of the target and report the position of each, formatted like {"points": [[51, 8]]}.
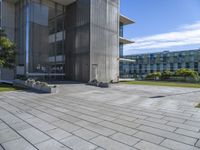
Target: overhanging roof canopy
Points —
{"points": [[64, 2], [126, 60], [125, 20], [125, 41]]}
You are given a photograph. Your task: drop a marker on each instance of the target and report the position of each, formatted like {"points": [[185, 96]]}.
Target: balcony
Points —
{"points": [[125, 20], [125, 41]]}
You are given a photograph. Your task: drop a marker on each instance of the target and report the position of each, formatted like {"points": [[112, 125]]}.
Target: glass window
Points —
{"points": [[187, 65], [60, 24], [179, 65], [0, 13], [158, 67], [171, 67], [59, 48], [196, 66], [121, 49], [121, 30], [38, 32]]}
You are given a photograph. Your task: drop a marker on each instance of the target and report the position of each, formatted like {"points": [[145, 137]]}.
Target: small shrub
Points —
{"points": [[186, 73], [37, 82], [198, 106], [30, 81], [24, 78], [166, 75], [44, 84], [153, 76]]}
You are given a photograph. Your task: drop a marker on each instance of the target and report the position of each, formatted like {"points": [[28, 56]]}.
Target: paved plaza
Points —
{"points": [[81, 117]]}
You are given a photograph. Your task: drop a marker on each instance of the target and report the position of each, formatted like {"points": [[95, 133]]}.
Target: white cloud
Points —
{"points": [[185, 35]]}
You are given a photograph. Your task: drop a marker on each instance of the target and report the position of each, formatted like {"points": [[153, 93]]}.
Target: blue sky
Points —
{"points": [[162, 25]]}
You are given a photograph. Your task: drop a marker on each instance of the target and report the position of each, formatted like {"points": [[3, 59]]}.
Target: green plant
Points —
{"points": [[7, 87], [22, 77], [166, 75], [154, 76], [44, 84], [7, 51], [30, 81], [198, 106], [38, 83], [187, 73]]}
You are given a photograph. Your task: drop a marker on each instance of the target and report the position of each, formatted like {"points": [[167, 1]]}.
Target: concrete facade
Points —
{"points": [[104, 44], [87, 36]]}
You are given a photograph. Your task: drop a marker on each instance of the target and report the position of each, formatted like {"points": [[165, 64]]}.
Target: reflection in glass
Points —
{"points": [[41, 35]]}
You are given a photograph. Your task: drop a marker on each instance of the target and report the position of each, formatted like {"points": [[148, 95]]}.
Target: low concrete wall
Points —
{"points": [[6, 74], [34, 86]]}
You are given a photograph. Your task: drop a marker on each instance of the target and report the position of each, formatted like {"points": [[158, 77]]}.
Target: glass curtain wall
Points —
{"points": [[42, 46], [0, 13]]}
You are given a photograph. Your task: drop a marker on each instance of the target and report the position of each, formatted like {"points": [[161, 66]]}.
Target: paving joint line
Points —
{"points": [[33, 127], [55, 128], [21, 136]]}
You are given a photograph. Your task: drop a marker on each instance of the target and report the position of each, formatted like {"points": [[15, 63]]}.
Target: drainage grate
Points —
{"points": [[159, 96]]}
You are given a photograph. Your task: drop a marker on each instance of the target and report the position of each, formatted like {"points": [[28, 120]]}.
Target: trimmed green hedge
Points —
{"points": [[181, 75]]}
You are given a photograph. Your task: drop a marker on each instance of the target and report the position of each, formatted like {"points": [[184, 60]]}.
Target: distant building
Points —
{"points": [[163, 61]]}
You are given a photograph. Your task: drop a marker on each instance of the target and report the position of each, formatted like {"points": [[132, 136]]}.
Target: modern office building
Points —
{"points": [[65, 39], [123, 41], [163, 61]]}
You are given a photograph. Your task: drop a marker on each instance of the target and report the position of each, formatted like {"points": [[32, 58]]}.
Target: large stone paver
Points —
{"points": [[82, 117], [51, 145], [66, 126], [7, 135], [33, 135], [126, 139], [3, 126], [177, 146], [149, 137], [18, 144], [198, 144], [119, 128], [170, 135], [96, 128], [149, 146], [1, 148], [110, 144], [77, 143], [86, 134], [58, 133]]}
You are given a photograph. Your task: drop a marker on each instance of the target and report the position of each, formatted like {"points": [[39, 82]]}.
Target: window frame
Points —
{"points": [[1, 3]]}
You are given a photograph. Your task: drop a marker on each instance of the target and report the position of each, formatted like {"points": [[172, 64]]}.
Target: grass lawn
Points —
{"points": [[6, 88], [198, 106], [162, 83]]}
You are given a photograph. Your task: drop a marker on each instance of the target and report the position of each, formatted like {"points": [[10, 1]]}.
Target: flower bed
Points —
{"points": [[36, 85]]}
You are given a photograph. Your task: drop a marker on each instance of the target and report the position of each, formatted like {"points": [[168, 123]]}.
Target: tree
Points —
{"points": [[187, 73], [166, 75], [154, 76], [7, 51]]}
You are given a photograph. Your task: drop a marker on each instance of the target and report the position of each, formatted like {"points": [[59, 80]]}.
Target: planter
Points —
{"points": [[49, 89], [43, 89], [19, 83]]}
